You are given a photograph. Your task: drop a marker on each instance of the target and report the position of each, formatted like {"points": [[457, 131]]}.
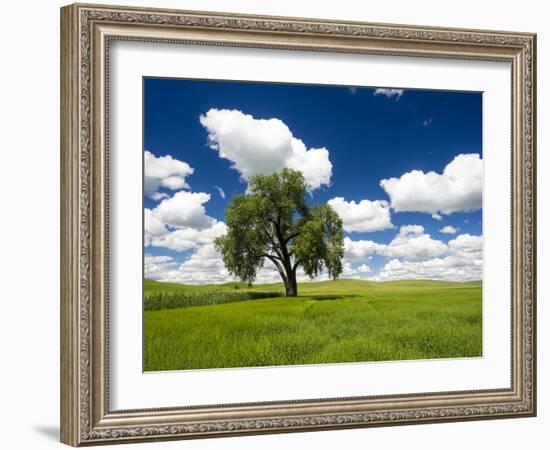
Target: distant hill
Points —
{"points": [[304, 287]]}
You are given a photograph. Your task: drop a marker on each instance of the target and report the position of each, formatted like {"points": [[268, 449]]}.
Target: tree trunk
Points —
{"points": [[291, 286], [289, 277]]}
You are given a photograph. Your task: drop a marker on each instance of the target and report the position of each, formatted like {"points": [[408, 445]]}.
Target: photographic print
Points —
{"points": [[292, 224]]}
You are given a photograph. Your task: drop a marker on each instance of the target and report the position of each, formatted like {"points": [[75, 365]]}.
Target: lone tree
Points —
{"points": [[274, 221]]}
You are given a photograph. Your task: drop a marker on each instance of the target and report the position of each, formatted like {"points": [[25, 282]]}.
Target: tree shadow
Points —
{"points": [[322, 298]]}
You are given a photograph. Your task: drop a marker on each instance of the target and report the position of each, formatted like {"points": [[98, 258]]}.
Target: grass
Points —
{"points": [[333, 321], [171, 300]]}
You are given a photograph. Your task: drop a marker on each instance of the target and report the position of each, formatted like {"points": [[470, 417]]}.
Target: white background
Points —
{"points": [[132, 389], [29, 319]]}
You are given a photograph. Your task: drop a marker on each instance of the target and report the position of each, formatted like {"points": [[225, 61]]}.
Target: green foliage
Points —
{"points": [[321, 242], [331, 322], [274, 222]]}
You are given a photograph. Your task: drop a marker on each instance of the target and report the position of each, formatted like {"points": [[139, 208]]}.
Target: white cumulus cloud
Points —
{"points": [[166, 172], [389, 93], [365, 216], [205, 266], [264, 146], [362, 249], [158, 267], [180, 223], [153, 225], [183, 239], [184, 209], [464, 262], [220, 191], [467, 246], [458, 188], [413, 244], [448, 229]]}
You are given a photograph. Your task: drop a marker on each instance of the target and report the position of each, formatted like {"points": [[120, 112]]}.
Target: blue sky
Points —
{"points": [[360, 136]]}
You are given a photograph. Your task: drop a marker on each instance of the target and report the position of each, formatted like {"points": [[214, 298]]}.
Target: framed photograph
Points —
{"points": [[276, 224]]}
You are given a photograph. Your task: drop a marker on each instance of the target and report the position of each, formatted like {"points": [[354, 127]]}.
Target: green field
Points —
{"points": [[215, 326]]}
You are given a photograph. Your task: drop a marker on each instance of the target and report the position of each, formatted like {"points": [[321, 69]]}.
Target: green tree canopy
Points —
{"points": [[274, 221]]}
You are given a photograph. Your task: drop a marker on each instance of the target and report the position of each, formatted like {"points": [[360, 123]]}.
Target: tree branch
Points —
{"points": [[292, 236], [278, 266], [274, 245], [271, 257]]}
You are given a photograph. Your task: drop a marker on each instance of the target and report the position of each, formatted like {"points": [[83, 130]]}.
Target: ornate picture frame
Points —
{"points": [[87, 32]]}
